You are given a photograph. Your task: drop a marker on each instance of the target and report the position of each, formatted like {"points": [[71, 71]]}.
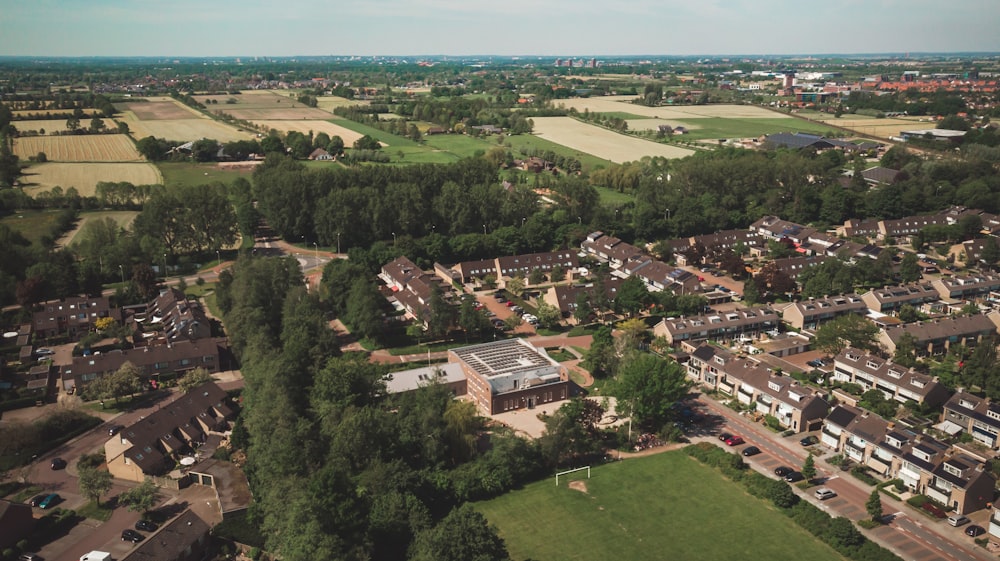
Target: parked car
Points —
{"points": [[130, 535], [782, 471], [725, 436], [499, 324], [734, 440], [510, 304], [37, 499], [115, 429], [516, 309], [975, 531], [809, 441], [145, 525], [50, 500], [957, 520], [44, 352], [793, 477], [501, 299], [750, 451], [58, 463], [29, 557], [824, 493]]}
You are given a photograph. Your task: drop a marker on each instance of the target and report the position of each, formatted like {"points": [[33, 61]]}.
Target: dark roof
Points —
{"points": [[796, 140], [879, 174], [173, 540], [842, 415]]}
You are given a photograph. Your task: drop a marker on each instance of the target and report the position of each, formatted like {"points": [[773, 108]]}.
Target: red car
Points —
{"points": [[734, 440], [510, 304]]}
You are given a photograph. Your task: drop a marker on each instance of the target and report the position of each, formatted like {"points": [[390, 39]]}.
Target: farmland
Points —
{"points": [[315, 126], [56, 125], [83, 148], [32, 224], [719, 127], [172, 120], [189, 173], [621, 104], [601, 142], [331, 102], [160, 110], [85, 176], [262, 105], [664, 506], [883, 128], [292, 111]]}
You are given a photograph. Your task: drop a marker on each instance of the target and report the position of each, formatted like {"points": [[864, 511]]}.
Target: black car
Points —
{"points": [[725, 436], [782, 471], [750, 451], [793, 477], [58, 463], [130, 535], [114, 429], [974, 531], [37, 500], [809, 441], [145, 526]]}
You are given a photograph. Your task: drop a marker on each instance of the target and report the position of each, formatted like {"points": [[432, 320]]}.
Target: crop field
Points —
{"points": [[601, 142], [530, 142], [290, 111], [883, 128], [124, 219], [184, 130], [157, 110], [82, 148], [316, 126], [702, 129], [249, 99], [56, 125], [331, 102], [621, 104], [85, 177], [664, 506]]}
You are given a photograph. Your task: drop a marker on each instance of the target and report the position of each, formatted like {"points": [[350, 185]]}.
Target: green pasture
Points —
{"points": [[32, 224], [176, 174], [725, 127]]}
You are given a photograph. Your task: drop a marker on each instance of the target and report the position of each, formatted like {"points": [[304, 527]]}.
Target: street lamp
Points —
{"points": [[164, 265], [666, 214], [218, 257], [338, 242], [484, 229], [394, 238], [523, 218], [122, 269], [316, 248]]}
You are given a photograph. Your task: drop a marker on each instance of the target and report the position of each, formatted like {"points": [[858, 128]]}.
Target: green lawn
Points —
{"points": [[94, 511], [459, 145], [190, 173], [391, 140], [665, 506], [719, 127], [32, 224], [612, 197]]}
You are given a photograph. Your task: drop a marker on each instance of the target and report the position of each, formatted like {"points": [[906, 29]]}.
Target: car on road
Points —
{"points": [[734, 440], [29, 557], [44, 352], [510, 304], [145, 525], [975, 531], [809, 441], [114, 429], [957, 520], [793, 477], [782, 471], [824, 493], [58, 463], [130, 535], [725, 436], [50, 500], [750, 451]]}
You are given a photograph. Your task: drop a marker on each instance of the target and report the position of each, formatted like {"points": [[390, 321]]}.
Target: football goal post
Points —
{"points": [[571, 471]]}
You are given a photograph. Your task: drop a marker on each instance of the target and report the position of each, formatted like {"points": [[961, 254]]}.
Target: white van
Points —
{"points": [[824, 493]]}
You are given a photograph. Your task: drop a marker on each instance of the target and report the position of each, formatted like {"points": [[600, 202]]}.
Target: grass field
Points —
{"points": [[32, 224], [459, 145], [665, 506], [124, 219], [85, 177], [331, 102], [745, 128], [612, 197], [176, 174], [81, 148], [316, 126], [385, 138], [56, 125], [602, 142]]}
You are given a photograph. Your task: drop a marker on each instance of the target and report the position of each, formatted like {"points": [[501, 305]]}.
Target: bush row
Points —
{"points": [[839, 533]]}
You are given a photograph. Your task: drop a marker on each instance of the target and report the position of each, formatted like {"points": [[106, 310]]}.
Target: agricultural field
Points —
{"points": [[601, 142], [664, 506], [528, 142], [176, 174], [331, 102], [713, 128], [51, 126], [85, 176], [184, 130], [159, 110], [79, 148], [315, 126], [124, 219], [32, 224], [291, 111], [621, 104], [882, 128]]}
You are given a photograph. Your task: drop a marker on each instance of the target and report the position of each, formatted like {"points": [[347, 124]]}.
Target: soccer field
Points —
{"points": [[665, 506]]}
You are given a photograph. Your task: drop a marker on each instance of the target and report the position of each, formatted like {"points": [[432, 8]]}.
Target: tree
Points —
{"points": [[193, 379], [96, 125], [442, 314], [751, 294], [909, 269], [906, 351], [515, 286], [632, 296], [72, 124], [513, 322], [874, 505], [648, 387], [142, 498], [364, 310], [582, 311], [990, 254], [94, 482], [847, 330], [463, 535], [809, 468], [548, 315], [571, 432], [336, 146], [367, 143]]}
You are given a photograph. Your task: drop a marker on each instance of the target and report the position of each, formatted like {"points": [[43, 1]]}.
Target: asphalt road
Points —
{"points": [[909, 535]]}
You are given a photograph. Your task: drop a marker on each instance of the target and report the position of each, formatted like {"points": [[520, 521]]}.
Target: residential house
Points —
{"points": [[835, 424], [879, 175], [810, 314], [154, 361], [564, 296], [721, 326], [16, 523], [966, 287], [72, 316], [523, 265], [232, 489], [170, 316], [320, 155], [152, 445], [511, 374], [659, 276], [612, 250], [894, 381], [185, 538], [951, 478], [796, 407], [479, 269], [890, 299], [706, 364], [774, 228], [975, 415], [411, 287], [901, 229], [866, 227], [794, 266], [936, 336]]}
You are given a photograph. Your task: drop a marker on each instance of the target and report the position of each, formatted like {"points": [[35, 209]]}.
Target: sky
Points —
{"points": [[498, 27]]}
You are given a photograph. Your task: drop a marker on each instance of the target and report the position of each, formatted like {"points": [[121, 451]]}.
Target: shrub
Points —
{"points": [[862, 474]]}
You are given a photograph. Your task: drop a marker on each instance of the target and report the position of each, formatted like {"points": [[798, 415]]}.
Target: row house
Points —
{"points": [[611, 249], [890, 299], [659, 276], [894, 381], [721, 326], [726, 239], [565, 296], [936, 336], [975, 415], [810, 314], [901, 229], [973, 249], [862, 228], [172, 316], [927, 466], [523, 265], [967, 287], [411, 287], [154, 361], [72, 316], [706, 364], [774, 228], [795, 266]]}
